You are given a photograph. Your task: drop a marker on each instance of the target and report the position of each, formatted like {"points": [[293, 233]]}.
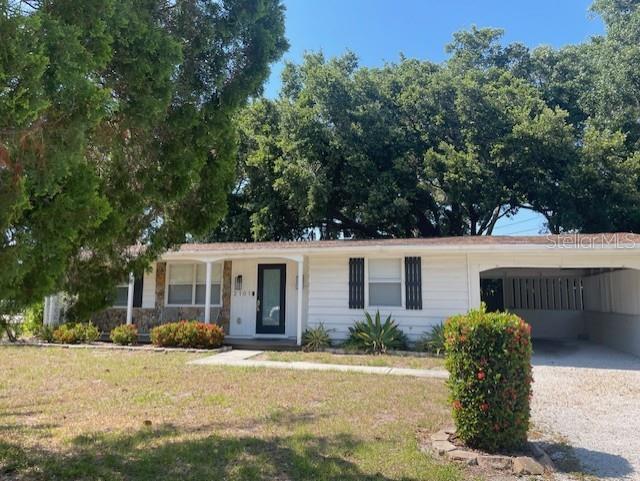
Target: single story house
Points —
{"points": [[567, 287]]}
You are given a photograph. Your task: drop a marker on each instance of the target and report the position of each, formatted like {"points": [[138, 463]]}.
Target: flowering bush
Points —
{"points": [[125, 335], [188, 334], [488, 355], [71, 333]]}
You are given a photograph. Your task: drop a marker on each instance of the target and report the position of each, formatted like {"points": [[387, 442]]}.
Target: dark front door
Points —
{"points": [[270, 304]]}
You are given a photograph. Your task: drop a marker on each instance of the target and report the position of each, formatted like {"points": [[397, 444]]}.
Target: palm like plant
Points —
{"points": [[433, 341], [316, 338], [375, 336]]}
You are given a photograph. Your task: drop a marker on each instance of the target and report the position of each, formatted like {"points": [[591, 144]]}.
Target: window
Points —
{"points": [[385, 282], [187, 284], [122, 295]]}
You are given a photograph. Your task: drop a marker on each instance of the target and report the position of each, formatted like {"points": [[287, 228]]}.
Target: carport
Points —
{"points": [[565, 293], [597, 304]]}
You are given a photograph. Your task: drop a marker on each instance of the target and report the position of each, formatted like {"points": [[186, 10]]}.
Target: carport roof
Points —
{"points": [[563, 240]]}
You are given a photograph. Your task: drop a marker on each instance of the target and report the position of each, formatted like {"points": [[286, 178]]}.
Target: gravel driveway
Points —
{"points": [[589, 395]]}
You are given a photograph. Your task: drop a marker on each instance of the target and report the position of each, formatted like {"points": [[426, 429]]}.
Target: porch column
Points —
{"points": [[207, 295], [50, 310], [300, 298], [130, 299], [45, 314]]}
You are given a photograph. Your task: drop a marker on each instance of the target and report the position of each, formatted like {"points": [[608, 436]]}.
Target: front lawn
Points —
{"points": [[414, 362], [116, 415]]}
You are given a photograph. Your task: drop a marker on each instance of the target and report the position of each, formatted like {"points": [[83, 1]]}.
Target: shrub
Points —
{"points": [[88, 332], [187, 334], [376, 337], [488, 355], [316, 338], [433, 341], [33, 319], [125, 335], [71, 333], [44, 333]]}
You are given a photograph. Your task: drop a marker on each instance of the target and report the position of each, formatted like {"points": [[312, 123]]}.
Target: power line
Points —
{"points": [[520, 231], [518, 222]]}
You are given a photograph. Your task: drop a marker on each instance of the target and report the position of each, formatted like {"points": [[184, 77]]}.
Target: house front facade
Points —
{"points": [[566, 287]]}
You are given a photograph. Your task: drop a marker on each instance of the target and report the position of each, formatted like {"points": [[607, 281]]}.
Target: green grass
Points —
{"points": [[414, 362], [69, 414]]}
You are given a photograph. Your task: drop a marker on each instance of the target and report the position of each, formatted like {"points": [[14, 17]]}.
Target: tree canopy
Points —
{"points": [[116, 130], [422, 149]]}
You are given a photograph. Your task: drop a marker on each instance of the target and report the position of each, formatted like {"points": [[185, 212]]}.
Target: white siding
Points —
{"points": [[444, 293], [149, 288]]}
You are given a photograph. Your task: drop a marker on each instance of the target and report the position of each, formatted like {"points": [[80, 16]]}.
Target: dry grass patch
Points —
{"points": [[413, 362], [117, 415]]}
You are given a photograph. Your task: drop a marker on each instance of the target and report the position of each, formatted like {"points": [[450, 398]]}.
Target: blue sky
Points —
{"points": [[379, 30]]}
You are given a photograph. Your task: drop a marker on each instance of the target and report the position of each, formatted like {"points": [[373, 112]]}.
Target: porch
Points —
{"points": [[259, 299]]}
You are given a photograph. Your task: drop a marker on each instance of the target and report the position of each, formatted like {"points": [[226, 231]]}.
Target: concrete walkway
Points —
{"points": [[239, 358]]}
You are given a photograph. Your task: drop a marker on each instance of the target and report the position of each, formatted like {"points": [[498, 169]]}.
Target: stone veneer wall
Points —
{"points": [[147, 318], [161, 277], [225, 313]]}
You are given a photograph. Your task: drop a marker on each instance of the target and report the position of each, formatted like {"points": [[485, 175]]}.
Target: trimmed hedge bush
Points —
{"points": [[192, 334], [71, 333], [125, 335], [488, 356]]}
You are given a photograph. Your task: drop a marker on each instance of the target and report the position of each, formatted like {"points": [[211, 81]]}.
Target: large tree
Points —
{"points": [[410, 149], [598, 83], [116, 130]]}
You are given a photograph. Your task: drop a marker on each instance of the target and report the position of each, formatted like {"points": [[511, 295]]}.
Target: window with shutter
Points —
{"points": [[385, 282], [356, 283], [413, 282]]}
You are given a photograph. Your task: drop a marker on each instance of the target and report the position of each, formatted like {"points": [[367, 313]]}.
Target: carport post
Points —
{"points": [[300, 298], [207, 295], [130, 299]]}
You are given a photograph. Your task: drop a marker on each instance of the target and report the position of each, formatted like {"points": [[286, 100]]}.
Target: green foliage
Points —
{"points": [[452, 148], [433, 341], [94, 97], [191, 334], [74, 333], [44, 333], [376, 337], [33, 318], [125, 335], [488, 356], [316, 338]]}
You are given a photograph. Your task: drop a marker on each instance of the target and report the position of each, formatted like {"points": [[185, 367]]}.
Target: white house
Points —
{"points": [[570, 286]]}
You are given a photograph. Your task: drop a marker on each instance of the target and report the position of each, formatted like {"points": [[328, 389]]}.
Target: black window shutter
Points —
{"points": [[413, 282], [137, 291], [356, 283]]}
